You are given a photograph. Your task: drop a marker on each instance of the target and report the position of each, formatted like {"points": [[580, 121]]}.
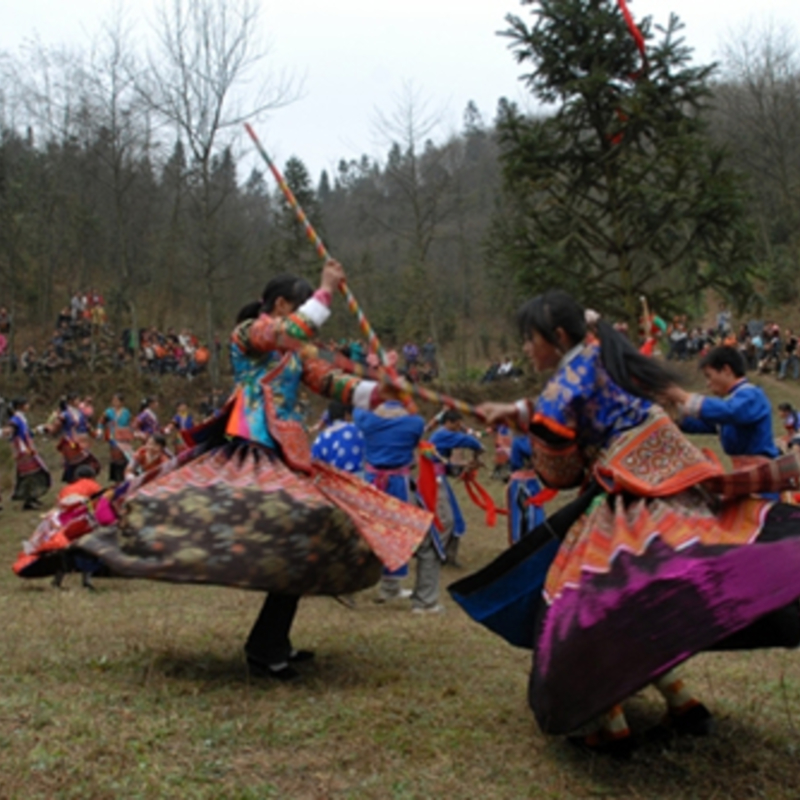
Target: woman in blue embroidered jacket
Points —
{"points": [[247, 506], [650, 568]]}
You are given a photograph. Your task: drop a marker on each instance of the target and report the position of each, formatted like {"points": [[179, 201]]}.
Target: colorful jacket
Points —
{"points": [[585, 425], [269, 364]]}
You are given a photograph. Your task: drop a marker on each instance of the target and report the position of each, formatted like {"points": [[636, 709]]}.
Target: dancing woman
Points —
{"points": [[247, 506], [115, 428], [75, 441], [145, 424], [660, 557], [32, 476]]}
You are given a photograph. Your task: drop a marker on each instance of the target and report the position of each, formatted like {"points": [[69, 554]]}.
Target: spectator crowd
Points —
{"points": [[84, 337]]}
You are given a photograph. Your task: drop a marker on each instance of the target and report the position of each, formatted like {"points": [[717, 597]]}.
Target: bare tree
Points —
{"points": [[418, 180], [205, 79], [122, 145], [51, 101], [758, 107]]}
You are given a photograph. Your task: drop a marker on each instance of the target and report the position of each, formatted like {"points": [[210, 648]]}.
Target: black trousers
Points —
{"points": [[268, 642]]}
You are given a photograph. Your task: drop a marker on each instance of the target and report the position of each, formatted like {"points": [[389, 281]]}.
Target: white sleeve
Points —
{"points": [[362, 396], [316, 311]]}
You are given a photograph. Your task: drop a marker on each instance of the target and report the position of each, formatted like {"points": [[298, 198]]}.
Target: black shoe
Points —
{"points": [[58, 579], [87, 582], [621, 748], [279, 672], [697, 721], [299, 656]]}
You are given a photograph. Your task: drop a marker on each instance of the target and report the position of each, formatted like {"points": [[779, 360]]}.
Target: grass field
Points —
{"points": [[140, 691]]}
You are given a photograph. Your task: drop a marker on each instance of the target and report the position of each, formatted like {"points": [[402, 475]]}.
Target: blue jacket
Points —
{"points": [[743, 420]]}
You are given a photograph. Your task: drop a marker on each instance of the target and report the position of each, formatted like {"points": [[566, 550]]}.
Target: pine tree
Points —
{"points": [[619, 192], [291, 251]]}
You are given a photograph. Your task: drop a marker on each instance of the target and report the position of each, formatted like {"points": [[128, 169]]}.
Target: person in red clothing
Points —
{"points": [[153, 453], [73, 504]]}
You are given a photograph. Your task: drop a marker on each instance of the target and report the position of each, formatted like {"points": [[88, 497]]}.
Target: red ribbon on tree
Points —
{"points": [[636, 33]]}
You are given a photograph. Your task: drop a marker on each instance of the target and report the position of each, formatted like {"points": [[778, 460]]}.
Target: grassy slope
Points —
{"points": [[141, 691]]}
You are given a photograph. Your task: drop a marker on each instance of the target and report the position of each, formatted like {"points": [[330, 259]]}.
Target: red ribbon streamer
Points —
{"points": [[426, 481], [635, 32], [482, 498], [541, 497]]}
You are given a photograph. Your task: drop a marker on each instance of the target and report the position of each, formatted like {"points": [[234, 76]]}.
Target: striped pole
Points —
{"points": [[311, 350], [366, 329]]}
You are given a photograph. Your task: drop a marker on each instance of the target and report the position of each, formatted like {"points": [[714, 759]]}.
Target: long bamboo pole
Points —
{"points": [[367, 329]]}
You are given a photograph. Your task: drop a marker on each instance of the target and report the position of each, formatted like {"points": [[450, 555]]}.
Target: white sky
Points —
{"points": [[355, 56]]}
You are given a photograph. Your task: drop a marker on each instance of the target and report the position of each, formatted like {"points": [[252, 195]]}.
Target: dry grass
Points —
{"points": [[140, 691]]}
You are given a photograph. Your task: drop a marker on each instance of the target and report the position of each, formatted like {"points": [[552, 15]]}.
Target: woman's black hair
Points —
{"points": [[146, 403], [289, 287], [627, 367], [19, 402], [549, 311]]}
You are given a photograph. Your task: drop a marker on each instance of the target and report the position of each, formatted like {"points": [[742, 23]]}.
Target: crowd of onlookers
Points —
{"points": [[769, 348], [766, 346], [169, 353], [415, 362], [83, 337], [420, 361]]}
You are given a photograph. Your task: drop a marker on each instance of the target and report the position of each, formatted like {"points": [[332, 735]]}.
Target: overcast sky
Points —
{"points": [[356, 55]]}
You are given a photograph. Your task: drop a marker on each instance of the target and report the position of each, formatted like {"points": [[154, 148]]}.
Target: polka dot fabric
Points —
{"points": [[341, 445]]}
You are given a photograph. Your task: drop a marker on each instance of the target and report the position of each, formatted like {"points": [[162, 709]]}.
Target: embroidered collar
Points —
{"points": [[570, 354]]}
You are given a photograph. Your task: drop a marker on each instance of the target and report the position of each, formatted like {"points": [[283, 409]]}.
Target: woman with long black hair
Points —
{"points": [[660, 557]]}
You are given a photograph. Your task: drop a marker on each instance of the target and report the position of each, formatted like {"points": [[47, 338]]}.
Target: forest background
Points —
{"points": [[127, 171]]}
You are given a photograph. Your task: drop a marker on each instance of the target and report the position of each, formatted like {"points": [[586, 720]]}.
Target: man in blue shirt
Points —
{"points": [[391, 436], [740, 413]]}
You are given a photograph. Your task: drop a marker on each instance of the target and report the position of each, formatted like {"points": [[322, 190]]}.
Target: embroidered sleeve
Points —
{"points": [[566, 393], [323, 378]]}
